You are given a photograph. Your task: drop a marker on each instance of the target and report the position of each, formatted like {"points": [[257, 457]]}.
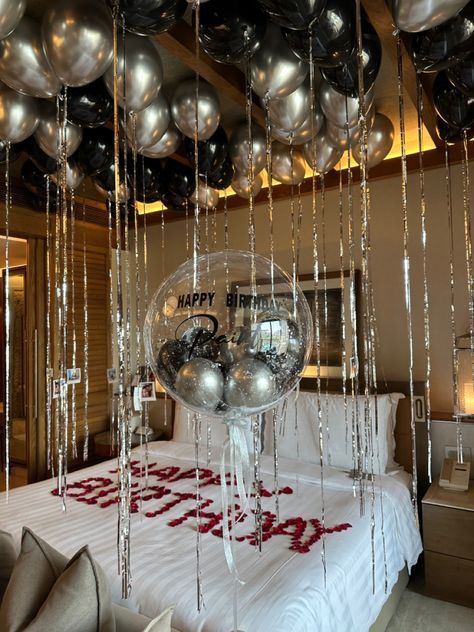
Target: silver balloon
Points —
{"points": [[282, 168], [206, 196], [291, 112], [200, 383], [379, 141], [49, 138], [240, 184], [338, 136], [183, 109], [143, 73], [420, 15], [249, 384], [77, 38], [165, 146], [150, 123], [74, 176], [19, 115], [302, 134], [275, 70], [239, 148], [325, 156], [333, 105], [23, 63], [11, 12], [124, 192]]}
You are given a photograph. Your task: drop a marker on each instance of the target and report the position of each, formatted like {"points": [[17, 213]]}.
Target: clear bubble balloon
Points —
{"points": [[223, 346]]}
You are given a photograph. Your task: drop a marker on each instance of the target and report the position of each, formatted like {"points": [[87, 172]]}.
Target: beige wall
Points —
{"points": [[387, 249]]}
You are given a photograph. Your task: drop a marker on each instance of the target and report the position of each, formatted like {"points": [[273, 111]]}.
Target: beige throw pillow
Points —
{"points": [[162, 623], [7, 560]]}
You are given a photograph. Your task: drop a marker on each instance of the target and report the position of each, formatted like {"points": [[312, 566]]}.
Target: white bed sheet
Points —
{"points": [[284, 590]]}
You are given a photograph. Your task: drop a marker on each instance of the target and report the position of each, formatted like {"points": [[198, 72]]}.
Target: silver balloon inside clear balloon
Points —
{"points": [[150, 123], [239, 144], [19, 115], [275, 70], [74, 176], [183, 109], [379, 141], [320, 154], [414, 16], [51, 138], [11, 12], [302, 134], [221, 346], [166, 145], [288, 165], [291, 112], [240, 184], [23, 63], [206, 196], [142, 75], [339, 108], [78, 41]]}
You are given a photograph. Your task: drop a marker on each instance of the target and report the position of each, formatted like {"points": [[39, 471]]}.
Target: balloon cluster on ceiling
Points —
{"points": [[73, 47]]}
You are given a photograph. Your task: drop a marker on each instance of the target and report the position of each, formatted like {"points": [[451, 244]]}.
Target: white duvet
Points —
{"points": [[284, 590]]}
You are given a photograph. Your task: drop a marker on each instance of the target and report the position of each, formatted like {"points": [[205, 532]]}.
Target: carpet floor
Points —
{"points": [[417, 613]]}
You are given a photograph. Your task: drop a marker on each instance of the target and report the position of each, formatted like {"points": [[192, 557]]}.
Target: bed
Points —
{"points": [[284, 586]]}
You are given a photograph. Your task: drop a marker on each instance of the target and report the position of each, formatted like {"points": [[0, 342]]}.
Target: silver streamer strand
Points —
{"points": [[112, 324], [6, 276], [426, 304], [226, 223], [145, 309], [73, 331], [257, 483], [276, 486], [187, 227], [406, 269], [49, 370], [342, 283], [197, 438], [251, 170], [325, 311], [85, 451], [57, 324], [268, 151]]}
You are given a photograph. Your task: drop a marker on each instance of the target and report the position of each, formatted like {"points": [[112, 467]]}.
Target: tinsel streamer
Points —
{"points": [[276, 486], [187, 227], [145, 309], [251, 170], [124, 471], [73, 329], [85, 451], [112, 325], [49, 371], [426, 303], [298, 229], [209, 443], [342, 285], [257, 484], [226, 223], [6, 282], [294, 277], [268, 152], [197, 437], [325, 311], [317, 333], [57, 323], [214, 229], [406, 268]]}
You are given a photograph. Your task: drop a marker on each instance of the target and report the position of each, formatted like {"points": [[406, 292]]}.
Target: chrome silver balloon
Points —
{"points": [[77, 38], [249, 384], [286, 168], [150, 123], [240, 184], [200, 383], [275, 70], [414, 16], [11, 12], [49, 138], [74, 176], [320, 152], [291, 112], [143, 73], [302, 134], [183, 109], [19, 115], [379, 141], [333, 105], [165, 146], [124, 192], [24, 66], [239, 148], [338, 136], [206, 196]]}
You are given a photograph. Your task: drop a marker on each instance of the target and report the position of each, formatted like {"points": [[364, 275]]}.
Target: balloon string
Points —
{"points": [[85, 454], [73, 330], [196, 239], [268, 151], [48, 375], [6, 277], [342, 284]]}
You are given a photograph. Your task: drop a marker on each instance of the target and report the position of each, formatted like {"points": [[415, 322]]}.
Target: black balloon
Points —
{"points": [[446, 44], [89, 105], [149, 17], [179, 179], [293, 14], [461, 76], [211, 153], [35, 180], [106, 179], [450, 134], [174, 202], [150, 180], [453, 106], [15, 151], [222, 178], [171, 357], [230, 31], [96, 151], [345, 78], [333, 36], [44, 162]]}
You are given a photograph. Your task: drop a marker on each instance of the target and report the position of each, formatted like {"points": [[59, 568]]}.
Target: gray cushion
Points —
{"points": [[7, 560], [128, 621]]}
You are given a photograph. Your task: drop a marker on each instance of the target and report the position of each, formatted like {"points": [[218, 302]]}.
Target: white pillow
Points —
{"points": [[303, 443]]}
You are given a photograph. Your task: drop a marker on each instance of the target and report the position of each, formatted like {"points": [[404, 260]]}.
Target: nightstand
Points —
{"points": [[448, 534]]}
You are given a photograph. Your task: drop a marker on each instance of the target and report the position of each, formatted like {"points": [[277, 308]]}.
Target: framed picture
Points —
{"points": [[112, 376], [73, 376], [56, 388], [147, 391]]}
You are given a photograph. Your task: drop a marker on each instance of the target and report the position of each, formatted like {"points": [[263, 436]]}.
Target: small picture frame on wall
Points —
{"points": [[56, 387], [112, 375], [147, 391], [73, 376]]}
